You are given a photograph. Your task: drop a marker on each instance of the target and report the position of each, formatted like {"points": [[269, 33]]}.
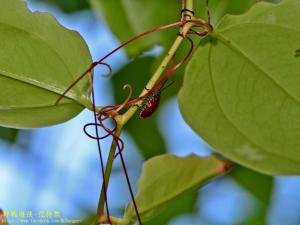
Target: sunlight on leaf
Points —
{"points": [[241, 90], [39, 60], [166, 177]]}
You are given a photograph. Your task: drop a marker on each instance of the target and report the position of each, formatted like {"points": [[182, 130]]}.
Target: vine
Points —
{"points": [[147, 97]]}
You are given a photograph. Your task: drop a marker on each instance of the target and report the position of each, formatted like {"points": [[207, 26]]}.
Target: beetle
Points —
{"points": [[150, 105], [151, 102]]}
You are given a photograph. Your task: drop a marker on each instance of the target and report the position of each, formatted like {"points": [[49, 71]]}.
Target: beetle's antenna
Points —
{"points": [[163, 87]]}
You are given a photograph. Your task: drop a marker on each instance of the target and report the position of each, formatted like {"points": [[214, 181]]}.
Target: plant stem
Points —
{"points": [[190, 6], [123, 119], [105, 220], [108, 168]]}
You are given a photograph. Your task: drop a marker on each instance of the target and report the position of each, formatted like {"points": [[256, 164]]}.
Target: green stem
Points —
{"points": [[123, 119], [130, 112], [189, 4], [105, 220], [110, 160]]}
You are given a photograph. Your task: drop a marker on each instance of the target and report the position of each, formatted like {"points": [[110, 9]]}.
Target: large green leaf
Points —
{"points": [[166, 177], [39, 59], [241, 90]]}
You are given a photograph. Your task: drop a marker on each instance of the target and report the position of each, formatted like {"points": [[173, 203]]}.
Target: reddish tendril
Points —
{"points": [[201, 34], [199, 23], [111, 111], [182, 9], [110, 72], [102, 116], [120, 145], [176, 67], [99, 149]]}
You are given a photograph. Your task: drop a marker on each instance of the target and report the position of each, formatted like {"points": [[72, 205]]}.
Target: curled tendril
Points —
{"points": [[83, 75], [111, 111], [117, 139], [109, 132], [120, 146], [110, 71], [126, 86], [201, 23], [98, 125], [201, 34]]}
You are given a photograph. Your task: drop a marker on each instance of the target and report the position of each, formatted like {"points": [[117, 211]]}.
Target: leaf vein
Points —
{"points": [[228, 118]]}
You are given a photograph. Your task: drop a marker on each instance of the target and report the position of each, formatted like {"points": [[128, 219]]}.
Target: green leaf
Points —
{"points": [[8, 134], [166, 177], [39, 60], [259, 217], [154, 143], [88, 220], [241, 90], [68, 6], [183, 205], [137, 73], [259, 185], [129, 18], [219, 8]]}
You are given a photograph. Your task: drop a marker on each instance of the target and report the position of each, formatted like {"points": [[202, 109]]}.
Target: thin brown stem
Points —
{"points": [[100, 153]]}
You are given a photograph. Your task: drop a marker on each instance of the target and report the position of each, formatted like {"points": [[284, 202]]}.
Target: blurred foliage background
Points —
{"points": [[57, 168]]}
